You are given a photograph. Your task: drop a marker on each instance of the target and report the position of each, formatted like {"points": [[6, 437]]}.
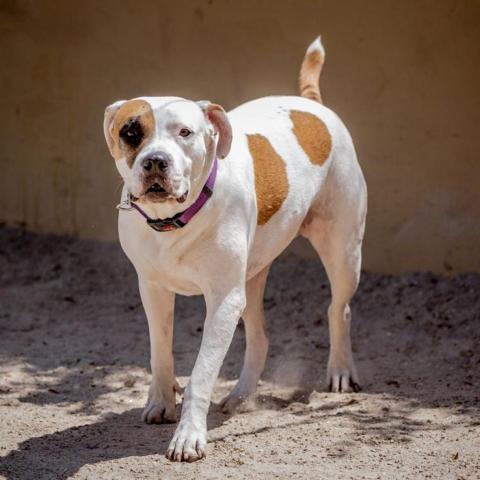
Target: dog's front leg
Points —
{"points": [[224, 308], [158, 304]]}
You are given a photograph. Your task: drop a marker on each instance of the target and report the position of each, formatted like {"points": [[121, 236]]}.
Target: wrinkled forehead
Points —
{"points": [[170, 111], [162, 111]]}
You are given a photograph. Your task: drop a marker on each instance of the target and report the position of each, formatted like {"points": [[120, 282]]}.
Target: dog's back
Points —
{"points": [[285, 146]]}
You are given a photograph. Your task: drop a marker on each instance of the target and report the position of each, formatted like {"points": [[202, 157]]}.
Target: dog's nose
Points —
{"points": [[159, 160]]}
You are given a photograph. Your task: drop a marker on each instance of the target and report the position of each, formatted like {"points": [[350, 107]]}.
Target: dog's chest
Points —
{"points": [[168, 264]]}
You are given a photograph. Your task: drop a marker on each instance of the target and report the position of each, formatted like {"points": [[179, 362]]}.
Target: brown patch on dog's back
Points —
{"points": [[141, 110], [312, 135], [271, 182]]}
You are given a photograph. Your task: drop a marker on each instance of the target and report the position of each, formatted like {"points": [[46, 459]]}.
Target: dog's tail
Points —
{"points": [[310, 70]]}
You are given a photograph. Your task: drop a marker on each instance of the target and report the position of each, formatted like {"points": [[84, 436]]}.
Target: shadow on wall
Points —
{"points": [[80, 340]]}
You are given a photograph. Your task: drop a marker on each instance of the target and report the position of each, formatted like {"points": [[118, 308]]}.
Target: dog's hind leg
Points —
{"points": [[256, 340], [335, 227], [341, 258]]}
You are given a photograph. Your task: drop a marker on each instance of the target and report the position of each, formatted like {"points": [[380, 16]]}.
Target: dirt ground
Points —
{"points": [[74, 374]]}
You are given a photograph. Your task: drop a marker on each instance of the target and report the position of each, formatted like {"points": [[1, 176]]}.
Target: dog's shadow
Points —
{"points": [[61, 454]]}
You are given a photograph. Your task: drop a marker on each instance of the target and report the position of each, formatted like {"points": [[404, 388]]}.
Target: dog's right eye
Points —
{"points": [[132, 133]]}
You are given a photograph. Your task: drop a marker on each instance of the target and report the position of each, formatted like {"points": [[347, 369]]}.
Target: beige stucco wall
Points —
{"points": [[404, 76]]}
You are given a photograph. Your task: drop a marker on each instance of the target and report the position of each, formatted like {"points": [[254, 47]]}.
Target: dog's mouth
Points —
{"points": [[157, 193], [155, 188]]}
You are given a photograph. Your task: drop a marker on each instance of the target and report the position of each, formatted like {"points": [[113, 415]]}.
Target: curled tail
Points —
{"points": [[310, 70]]}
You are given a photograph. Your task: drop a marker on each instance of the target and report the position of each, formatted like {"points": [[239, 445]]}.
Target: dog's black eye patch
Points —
{"points": [[132, 132]]}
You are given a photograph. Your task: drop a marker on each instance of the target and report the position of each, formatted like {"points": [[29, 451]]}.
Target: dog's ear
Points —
{"points": [[110, 112], [218, 118]]}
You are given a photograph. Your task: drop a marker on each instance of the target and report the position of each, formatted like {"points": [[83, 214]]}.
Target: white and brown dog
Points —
{"points": [[210, 200]]}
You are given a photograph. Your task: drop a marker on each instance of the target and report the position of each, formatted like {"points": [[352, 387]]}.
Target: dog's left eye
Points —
{"points": [[185, 132], [132, 133]]}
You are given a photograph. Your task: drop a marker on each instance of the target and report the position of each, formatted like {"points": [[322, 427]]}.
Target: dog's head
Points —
{"points": [[162, 146]]}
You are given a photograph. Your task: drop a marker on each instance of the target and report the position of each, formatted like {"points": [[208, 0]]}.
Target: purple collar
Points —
{"points": [[182, 218]]}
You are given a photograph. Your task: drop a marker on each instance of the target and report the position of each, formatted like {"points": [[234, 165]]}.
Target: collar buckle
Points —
{"points": [[165, 224]]}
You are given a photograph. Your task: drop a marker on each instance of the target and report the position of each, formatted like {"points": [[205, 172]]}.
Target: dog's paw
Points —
{"points": [[342, 374], [159, 412], [160, 407], [231, 403], [189, 443], [236, 400]]}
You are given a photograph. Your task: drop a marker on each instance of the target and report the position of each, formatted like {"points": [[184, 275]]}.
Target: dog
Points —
{"points": [[210, 199]]}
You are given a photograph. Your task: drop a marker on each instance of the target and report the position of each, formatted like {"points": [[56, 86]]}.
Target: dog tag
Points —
{"points": [[125, 204]]}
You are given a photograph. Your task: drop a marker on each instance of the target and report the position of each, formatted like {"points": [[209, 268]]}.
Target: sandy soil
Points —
{"points": [[74, 376]]}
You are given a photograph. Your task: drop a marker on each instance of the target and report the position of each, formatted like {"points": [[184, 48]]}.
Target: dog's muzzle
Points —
{"points": [[182, 218]]}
